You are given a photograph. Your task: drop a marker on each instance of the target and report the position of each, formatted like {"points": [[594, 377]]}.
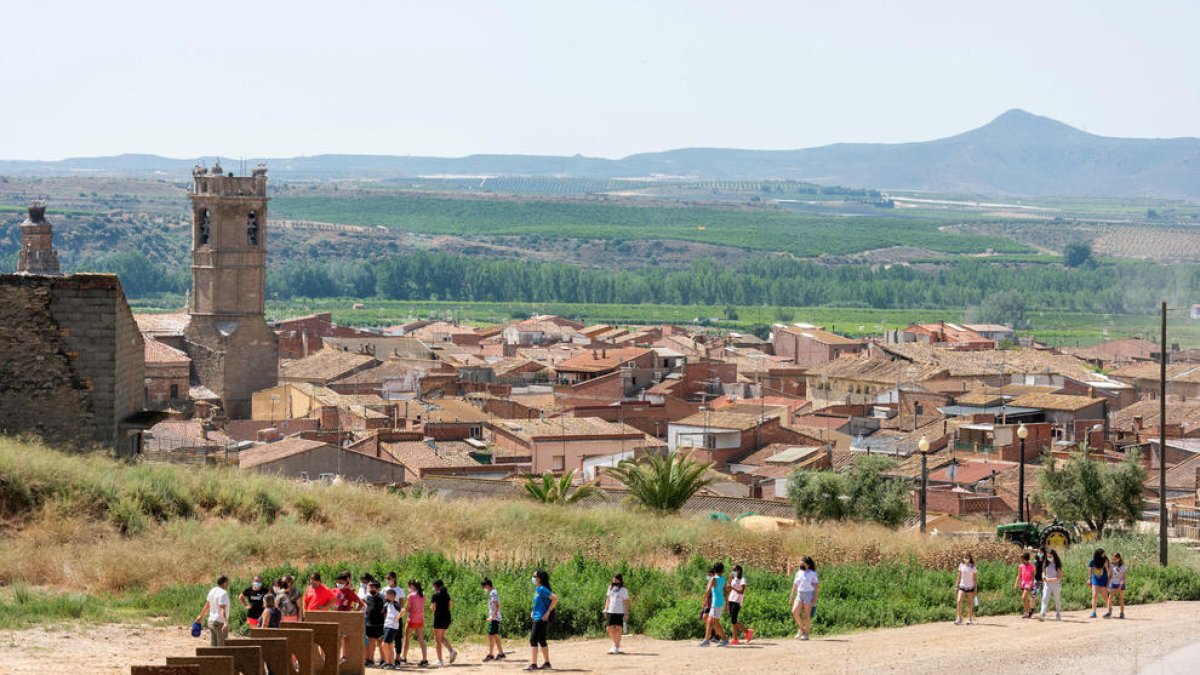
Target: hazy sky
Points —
{"points": [[603, 78]]}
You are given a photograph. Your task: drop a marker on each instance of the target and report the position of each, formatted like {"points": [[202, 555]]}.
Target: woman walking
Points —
{"points": [[737, 594], [1024, 582], [1052, 575], [544, 603], [1117, 584], [441, 604], [1098, 578], [966, 585], [616, 611]]}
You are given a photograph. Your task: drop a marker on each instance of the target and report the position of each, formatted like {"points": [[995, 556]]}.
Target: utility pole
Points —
{"points": [[1162, 440]]}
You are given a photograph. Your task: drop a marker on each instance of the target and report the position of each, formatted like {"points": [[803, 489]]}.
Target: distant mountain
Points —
{"points": [[1017, 153]]}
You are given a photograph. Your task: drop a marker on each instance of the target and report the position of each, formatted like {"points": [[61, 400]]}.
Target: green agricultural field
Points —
{"points": [[768, 230]]}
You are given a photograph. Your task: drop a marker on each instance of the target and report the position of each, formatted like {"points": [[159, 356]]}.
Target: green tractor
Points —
{"points": [[1055, 535]]}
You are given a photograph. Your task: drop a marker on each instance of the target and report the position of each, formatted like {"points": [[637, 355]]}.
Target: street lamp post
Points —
{"points": [[1022, 433], [923, 446]]}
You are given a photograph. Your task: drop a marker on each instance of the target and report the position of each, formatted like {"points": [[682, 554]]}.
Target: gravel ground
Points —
{"points": [[1155, 640]]}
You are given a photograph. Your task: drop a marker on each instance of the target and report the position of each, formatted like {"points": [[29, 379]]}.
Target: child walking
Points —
{"points": [[716, 588], [441, 604], [1098, 578], [1117, 584], [495, 650], [414, 610], [966, 585], [737, 594], [1052, 576], [376, 617], [616, 611], [1024, 582], [391, 627]]}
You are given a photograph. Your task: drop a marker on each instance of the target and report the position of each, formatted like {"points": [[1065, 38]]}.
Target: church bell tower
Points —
{"points": [[234, 352]]}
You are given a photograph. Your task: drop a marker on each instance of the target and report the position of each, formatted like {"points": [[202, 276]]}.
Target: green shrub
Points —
{"points": [[268, 504], [309, 509], [127, 515]]}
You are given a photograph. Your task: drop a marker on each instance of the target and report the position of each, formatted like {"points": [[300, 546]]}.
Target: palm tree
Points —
{"points": [[551, 489], [662, 482]]}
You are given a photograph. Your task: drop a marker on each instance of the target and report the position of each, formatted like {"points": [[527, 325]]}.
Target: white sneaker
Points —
{"points": [[614, 650], [453, 655], [438, 664]]}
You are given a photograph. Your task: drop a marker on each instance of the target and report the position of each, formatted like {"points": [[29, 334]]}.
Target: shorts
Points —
{"points": [[1101, 581], [735, 608], [420, 625], [391, 636], [715, 612], [374, 632], [805, 598], [441, 624], [1118, 586], [965, 589], [493, 628], [1029, 587], [615, 619], [537, 634]]}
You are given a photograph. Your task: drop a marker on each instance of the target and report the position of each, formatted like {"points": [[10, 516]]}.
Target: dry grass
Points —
{"points": [[60, 528]]}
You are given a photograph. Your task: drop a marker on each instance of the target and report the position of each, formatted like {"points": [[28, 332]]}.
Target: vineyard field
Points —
{"points": [[755, 229]]}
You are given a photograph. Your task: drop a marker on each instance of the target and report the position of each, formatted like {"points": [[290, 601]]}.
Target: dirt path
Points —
{"points": [[1154, 640]]}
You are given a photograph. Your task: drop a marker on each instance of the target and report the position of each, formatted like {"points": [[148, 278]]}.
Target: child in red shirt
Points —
{"points": [[346, 600]]}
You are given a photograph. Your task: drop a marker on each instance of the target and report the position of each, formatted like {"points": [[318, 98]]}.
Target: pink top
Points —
{"points": [[416, 610], [1025, 575]]}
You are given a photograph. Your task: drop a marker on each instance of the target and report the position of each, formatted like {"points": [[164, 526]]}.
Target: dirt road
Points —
{"points": [[1154, 640]]}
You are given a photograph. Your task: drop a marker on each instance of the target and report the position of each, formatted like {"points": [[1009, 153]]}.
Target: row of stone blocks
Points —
{"points": [[309, 647]]}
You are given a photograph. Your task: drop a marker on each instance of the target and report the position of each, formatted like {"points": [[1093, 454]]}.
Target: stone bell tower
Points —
{"points": [[234, 352], [37, 255]]}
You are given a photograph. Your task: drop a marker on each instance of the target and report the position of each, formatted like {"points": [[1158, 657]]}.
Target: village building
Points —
{"points": [[807, 345], [564, 443], [168, 373], [309, 460]]}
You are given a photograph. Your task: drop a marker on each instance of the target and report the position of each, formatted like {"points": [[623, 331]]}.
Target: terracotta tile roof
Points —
{"points": [[417, 455], [170, 323], [601, 359], [876, 369], [1183, 476], [1063, 402], [530, 430], [719, 419], [452, 410], [392, 369], [1129, 349], [273, 452], [173, 434], [993, 362], [326, 365], [1178, 372], [1186, 414], [160, 354], [818, 334]]}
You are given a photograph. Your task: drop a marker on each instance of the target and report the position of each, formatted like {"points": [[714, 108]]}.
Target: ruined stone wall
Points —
{"points": [[41, 390], [234, 357], [105, 344]]}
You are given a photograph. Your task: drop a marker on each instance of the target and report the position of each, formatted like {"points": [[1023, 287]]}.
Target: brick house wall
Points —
{"points": [[165, 383]]}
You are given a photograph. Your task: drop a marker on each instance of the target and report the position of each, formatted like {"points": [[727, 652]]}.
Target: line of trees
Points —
{"points": [[1002, 292]]}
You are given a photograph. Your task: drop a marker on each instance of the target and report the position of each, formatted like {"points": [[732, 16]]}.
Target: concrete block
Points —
{"points": [[165, 670], [247, 660], [275, 653], [209, 665], [299, 644], [327, 638], [351, 625]]}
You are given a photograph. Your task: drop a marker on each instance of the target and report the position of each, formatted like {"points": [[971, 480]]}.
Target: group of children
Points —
{"points": [[1042, 573], [394, 617]]}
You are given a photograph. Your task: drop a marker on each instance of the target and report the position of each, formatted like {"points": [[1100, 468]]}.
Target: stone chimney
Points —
{"points": [[37, 255]]}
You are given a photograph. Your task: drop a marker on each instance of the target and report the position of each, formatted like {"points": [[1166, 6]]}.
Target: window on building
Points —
{"points": [[174, 391], [477, 432], [252, 229], [558, 463], [710, 441]]}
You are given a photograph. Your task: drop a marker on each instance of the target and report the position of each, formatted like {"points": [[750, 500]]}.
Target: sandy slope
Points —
{"points": [[1006, 645]]}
